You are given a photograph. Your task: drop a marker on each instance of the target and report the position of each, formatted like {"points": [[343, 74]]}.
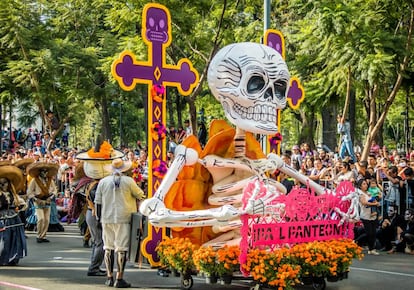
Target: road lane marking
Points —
{"points": [[384, 272], [18, 286]]}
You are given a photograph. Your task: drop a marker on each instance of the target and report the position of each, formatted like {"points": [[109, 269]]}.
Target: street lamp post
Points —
{"points": [[116, 104]]}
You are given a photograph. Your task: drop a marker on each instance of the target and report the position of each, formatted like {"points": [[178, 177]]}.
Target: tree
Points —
{"points": [[362, 46]]}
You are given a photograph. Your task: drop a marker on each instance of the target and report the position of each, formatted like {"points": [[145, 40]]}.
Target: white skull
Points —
{"points": [[250, 80]]}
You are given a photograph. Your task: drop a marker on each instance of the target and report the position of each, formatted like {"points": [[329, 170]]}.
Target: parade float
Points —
{"points": [[229, 218]]}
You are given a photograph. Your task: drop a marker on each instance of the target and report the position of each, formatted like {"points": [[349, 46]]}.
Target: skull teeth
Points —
{"points": [[263, 113]]}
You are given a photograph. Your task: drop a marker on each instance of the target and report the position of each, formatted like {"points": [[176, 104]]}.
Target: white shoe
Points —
{"points": [[407, 250], [373, 252]]}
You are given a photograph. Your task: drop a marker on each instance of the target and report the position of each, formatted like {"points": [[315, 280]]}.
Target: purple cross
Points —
{"points": [[156, 33], [296, 94]]}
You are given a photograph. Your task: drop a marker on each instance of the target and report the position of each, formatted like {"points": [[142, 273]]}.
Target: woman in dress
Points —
{"points": [[12, 239]]}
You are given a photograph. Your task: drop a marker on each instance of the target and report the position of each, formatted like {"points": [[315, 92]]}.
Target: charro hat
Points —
{"points": [[118, 165], [5, 162], [105, 151], [34, 169], [79, 172], [13, 174], [23, 163]]}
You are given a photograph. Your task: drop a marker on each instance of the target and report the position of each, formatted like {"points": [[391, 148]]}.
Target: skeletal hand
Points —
{"points": [[150, 205], [256, 204], [265, 165]]}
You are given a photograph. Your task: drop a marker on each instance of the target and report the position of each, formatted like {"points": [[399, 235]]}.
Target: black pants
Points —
{"points": [[370, 227], [386, 236]]}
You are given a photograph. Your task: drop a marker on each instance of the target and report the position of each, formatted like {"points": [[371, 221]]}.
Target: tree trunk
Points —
{"points": [[106, 128], [307, 132], [352, 115], [170, 109], [54, 133], [329, 126], [193, 115], [179, 108]]}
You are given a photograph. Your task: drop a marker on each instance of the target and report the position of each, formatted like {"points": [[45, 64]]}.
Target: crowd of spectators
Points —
{"points": [[389, 171], [386, 179]]}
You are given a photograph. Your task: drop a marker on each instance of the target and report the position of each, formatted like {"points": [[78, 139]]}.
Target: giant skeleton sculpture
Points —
{"points": [[251, 81]]}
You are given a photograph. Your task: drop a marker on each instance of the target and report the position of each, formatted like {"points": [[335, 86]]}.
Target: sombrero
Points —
{"points": [[118, 165], [5, 162], [13, 174], [105, 152], [23, 163], [79, 172], [34, 169]]}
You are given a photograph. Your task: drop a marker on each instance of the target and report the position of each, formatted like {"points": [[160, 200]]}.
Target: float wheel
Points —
{"points": [[319, 284], [186, 282]]}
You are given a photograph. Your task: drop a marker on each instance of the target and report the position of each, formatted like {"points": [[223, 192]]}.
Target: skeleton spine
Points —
{"points": [[240, 143]]}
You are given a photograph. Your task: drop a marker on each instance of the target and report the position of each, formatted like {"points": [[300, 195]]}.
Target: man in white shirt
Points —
{"points": [[115, 201]]}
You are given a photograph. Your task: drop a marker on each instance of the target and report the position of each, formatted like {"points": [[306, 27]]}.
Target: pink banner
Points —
{"points": [[295, 232]]}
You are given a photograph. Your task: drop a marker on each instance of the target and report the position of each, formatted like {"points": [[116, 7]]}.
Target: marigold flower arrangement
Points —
{"points": [[177, 253], [205, 260], [343, 252], [275, 139], [312, 257], [160, 168], [136, 175], [157, 93], [327, 258], [272, 268], [158, 131], [105, 151], [280, 268], [227, 260]]}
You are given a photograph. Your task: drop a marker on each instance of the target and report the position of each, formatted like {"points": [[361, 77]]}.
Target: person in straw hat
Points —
{"points": [[12, 239], [42, 189], [22, 164], [93, 166], [115, 201]]}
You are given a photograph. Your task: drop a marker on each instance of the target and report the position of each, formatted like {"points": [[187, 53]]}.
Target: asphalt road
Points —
{"points": [[62, 264]]}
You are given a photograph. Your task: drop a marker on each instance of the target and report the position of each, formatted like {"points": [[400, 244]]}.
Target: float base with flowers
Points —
{"points": [[300, 239]]}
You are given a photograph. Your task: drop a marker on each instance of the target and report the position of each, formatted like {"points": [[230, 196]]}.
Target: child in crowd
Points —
{"points": [[376, 195]]}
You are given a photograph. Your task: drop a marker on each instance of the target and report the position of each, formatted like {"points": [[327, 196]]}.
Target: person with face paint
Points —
{"points": [[42, 189], [12, 239], [22, 166]]}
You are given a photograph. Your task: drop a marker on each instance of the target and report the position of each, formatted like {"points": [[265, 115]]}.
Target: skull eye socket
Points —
{"points": [[255, 84], [280, 89]]}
